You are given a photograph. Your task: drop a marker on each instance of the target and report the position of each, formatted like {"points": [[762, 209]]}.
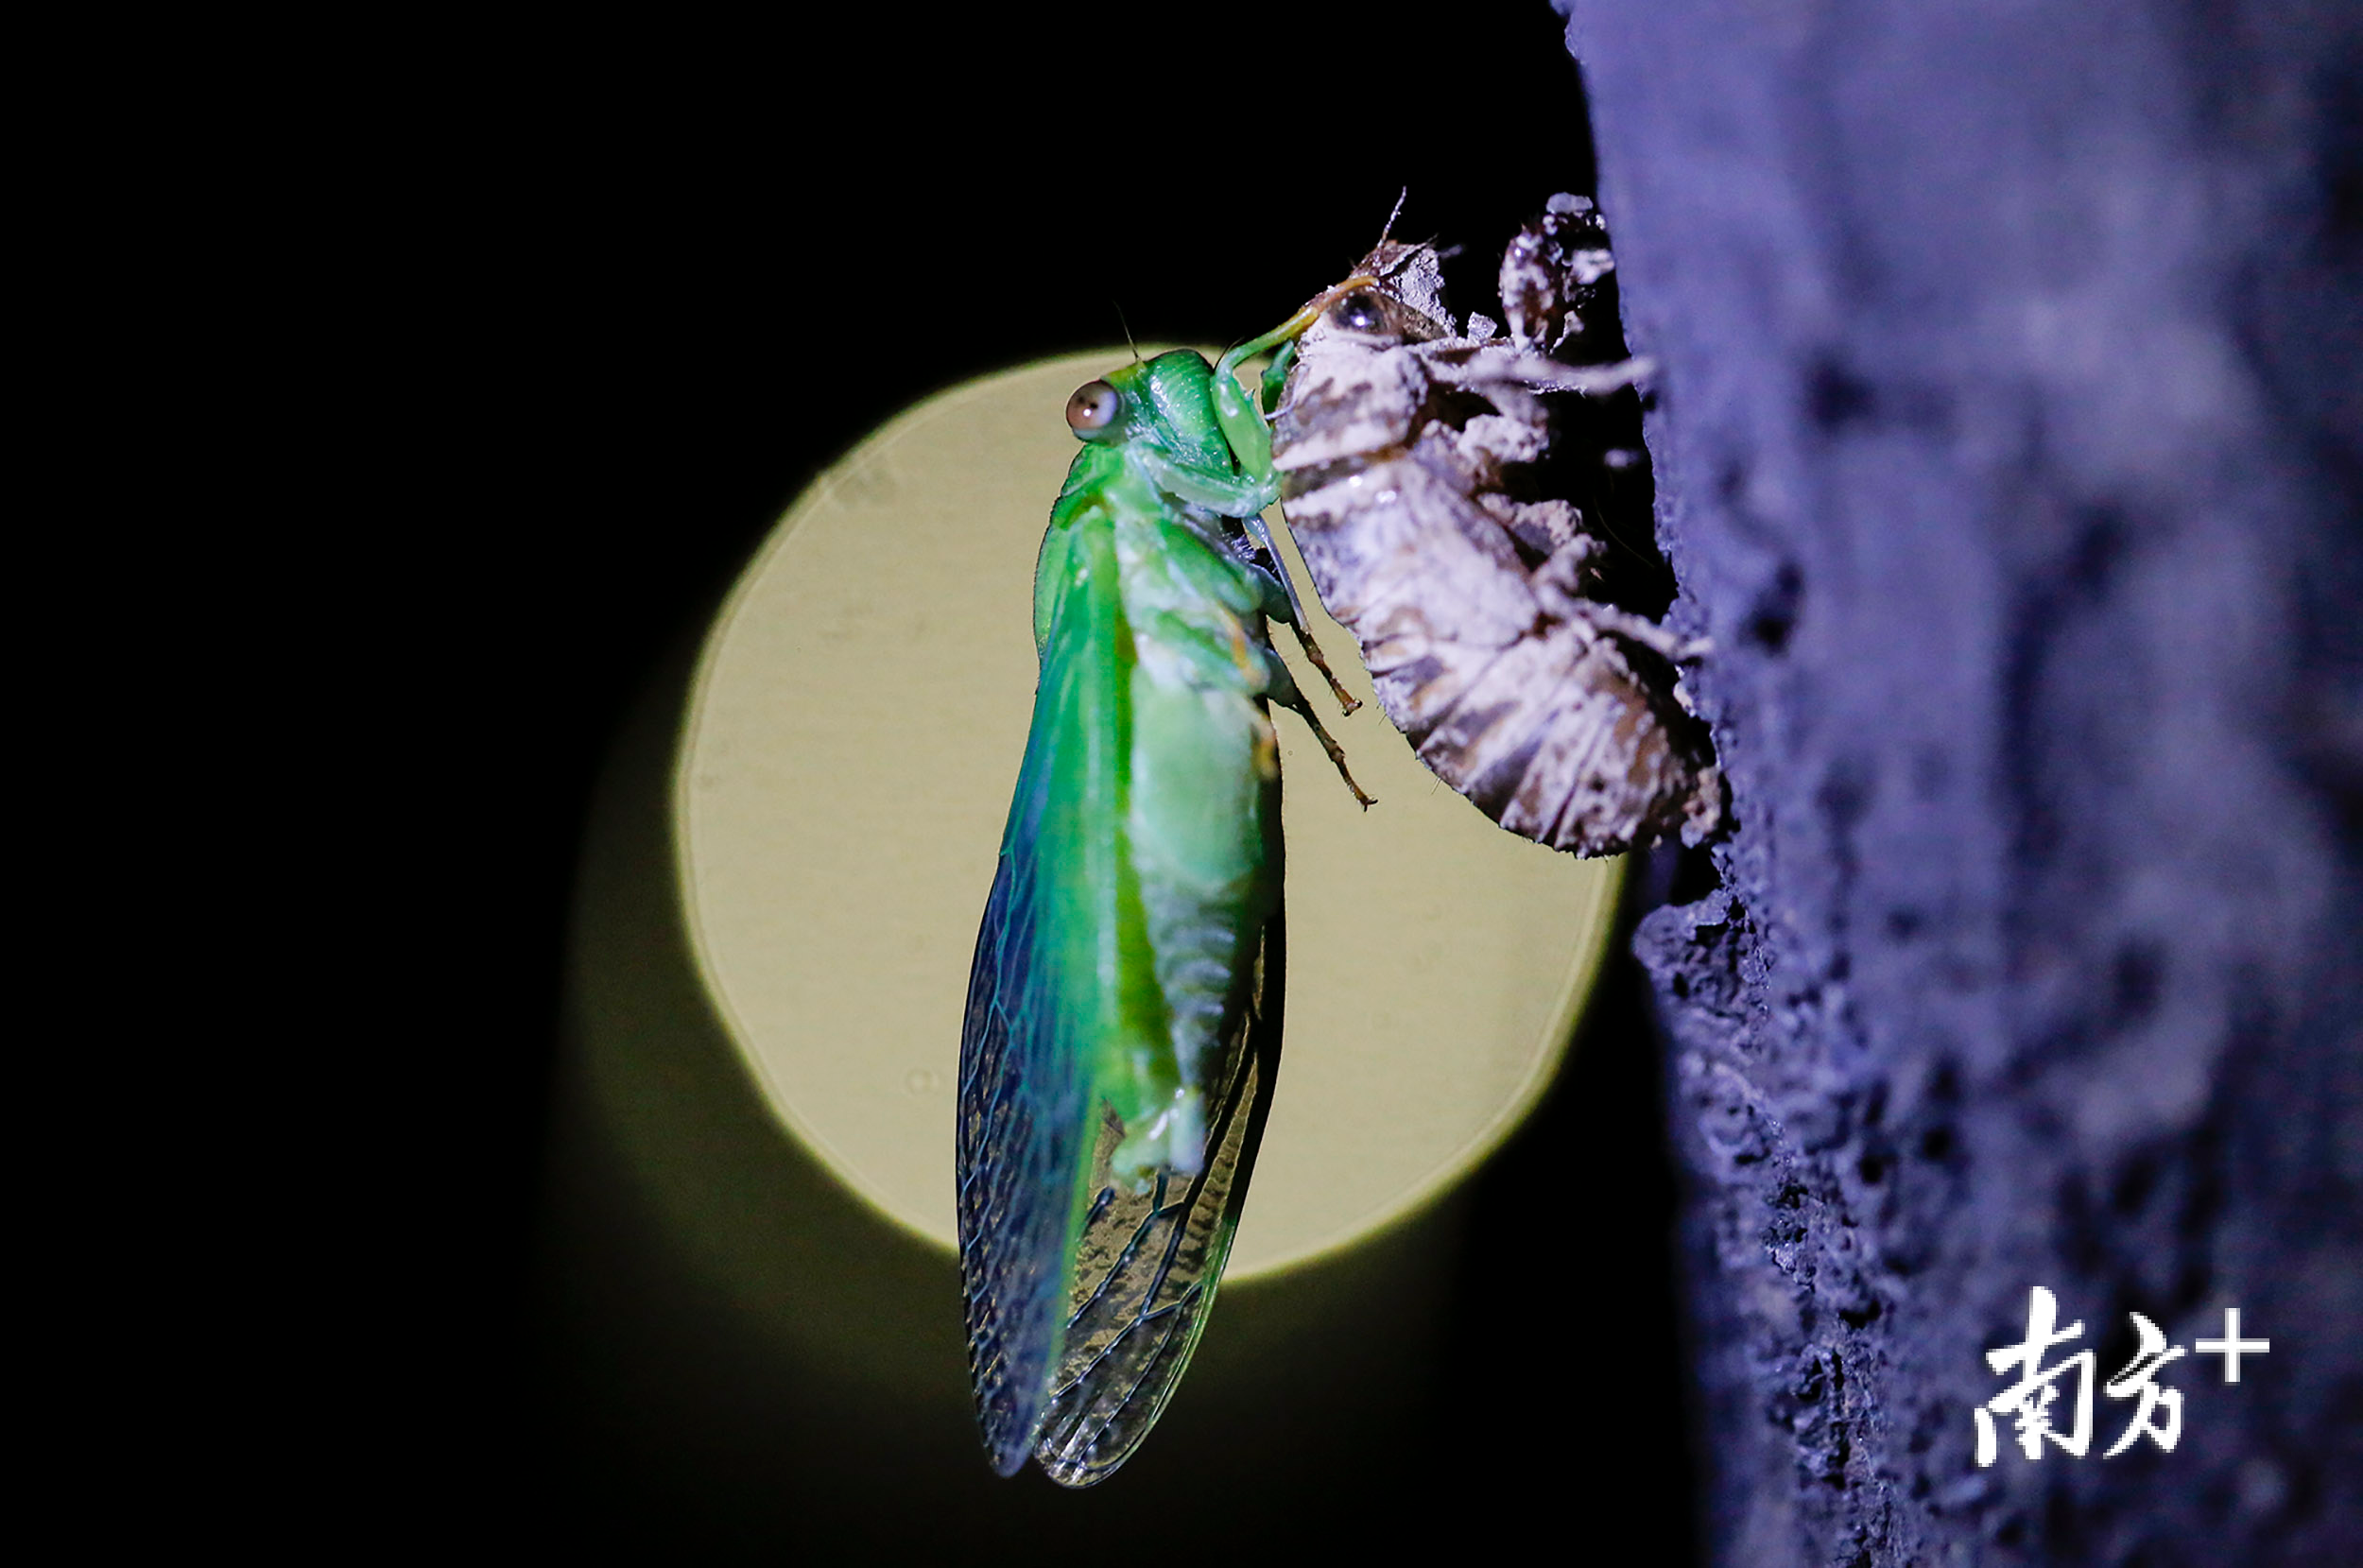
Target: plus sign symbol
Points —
{"points": [[2232, 1347]]}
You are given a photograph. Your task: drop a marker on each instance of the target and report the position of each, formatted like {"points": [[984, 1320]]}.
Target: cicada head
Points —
{"points": [[1167, 401]]}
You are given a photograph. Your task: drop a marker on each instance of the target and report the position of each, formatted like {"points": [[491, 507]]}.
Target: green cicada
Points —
{"points": [[1124, 1009]]}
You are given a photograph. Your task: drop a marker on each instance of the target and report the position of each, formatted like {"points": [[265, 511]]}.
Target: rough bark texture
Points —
{"points": [[2009, 447]]}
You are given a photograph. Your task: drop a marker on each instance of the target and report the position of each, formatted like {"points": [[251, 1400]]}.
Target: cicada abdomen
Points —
{"points": [[1406, 450]]}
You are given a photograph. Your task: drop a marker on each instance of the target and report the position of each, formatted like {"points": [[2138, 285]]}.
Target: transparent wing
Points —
{"points": [[1038, 998], [1146, 1264]]}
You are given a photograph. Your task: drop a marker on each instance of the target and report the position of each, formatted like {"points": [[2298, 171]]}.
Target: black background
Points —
{"points": [[629, 293]]}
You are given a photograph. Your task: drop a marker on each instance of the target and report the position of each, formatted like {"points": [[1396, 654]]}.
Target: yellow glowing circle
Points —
{"points": [[853, 736]]}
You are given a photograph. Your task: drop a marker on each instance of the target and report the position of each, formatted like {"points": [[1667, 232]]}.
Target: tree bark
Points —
{"points": [[2009, 447]]}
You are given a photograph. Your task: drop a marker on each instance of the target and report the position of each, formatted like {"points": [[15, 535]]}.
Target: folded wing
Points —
{"points": [[1041, 993], [1147, 1265]]}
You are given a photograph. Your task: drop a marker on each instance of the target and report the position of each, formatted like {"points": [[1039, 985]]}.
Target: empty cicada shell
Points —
{"points": [[1399, 442]]}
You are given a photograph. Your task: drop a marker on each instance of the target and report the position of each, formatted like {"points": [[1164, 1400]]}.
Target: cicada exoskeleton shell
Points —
{"points": [[1400, 443]]}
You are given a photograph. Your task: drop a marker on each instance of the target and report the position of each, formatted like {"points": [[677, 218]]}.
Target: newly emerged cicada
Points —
{"points": [[1406, 446], [1124, 1006]]}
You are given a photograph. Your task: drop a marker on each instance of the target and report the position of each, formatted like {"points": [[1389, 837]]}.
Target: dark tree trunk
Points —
{"points": [[2010, 444]]}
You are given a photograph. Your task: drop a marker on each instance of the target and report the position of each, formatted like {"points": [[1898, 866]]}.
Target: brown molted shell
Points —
{"points": [[1558, 715]]}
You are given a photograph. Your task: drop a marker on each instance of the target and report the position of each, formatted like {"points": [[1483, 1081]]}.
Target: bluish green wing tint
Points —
{"points": [[1040, 995]]}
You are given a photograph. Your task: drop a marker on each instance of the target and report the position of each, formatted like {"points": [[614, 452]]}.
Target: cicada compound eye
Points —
{"points": [[1094, 407], [1357, 313]]}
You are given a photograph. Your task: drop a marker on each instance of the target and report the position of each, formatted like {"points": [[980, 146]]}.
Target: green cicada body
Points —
{"points": [[1124, 1009]]}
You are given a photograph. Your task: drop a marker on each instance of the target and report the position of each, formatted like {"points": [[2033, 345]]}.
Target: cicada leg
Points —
{"points": [[1260, 530], [1242, 418], [1282, 688]]}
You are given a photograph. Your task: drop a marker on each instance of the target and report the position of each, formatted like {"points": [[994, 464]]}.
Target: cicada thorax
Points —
{"points": [[1406, 450]]}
